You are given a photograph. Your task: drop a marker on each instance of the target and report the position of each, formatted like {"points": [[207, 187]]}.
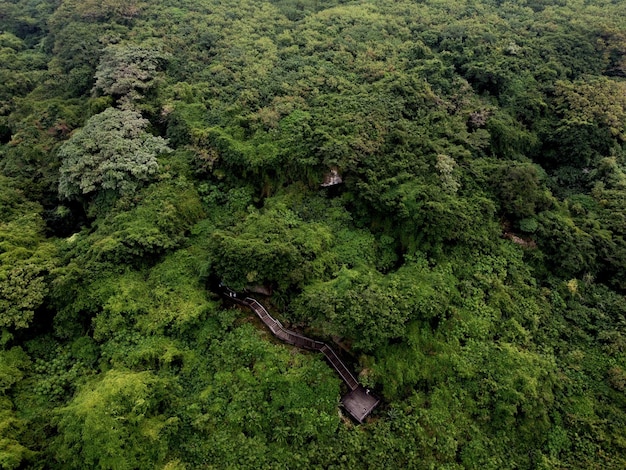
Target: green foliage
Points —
{"points": [[127, 71], [592, 114], [561, 238], [369, 308], [113, 152], [271, 399], [135, 236], [528, 225], [38, 124], [13, 454], [22, 290], [12, 363], [428, 217], [114, 422], [57, 376], [167, 211], [272, 246], [471, 266], [78, 32], [520, 190], [25, 258], [21, 69], [168, 299]]}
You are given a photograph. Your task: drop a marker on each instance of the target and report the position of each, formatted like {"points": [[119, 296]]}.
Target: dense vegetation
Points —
{"points": [[472, 266]]}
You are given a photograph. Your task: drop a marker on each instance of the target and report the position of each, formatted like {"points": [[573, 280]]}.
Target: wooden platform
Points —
{"points": [[359, 403]]}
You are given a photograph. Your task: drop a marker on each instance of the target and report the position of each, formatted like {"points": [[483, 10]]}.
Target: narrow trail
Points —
{"points": [[358, 402]]}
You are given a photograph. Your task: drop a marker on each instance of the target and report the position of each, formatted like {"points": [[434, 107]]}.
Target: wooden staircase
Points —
{"points": [[358, 402]]}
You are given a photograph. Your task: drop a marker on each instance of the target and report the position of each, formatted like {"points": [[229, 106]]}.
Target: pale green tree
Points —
{"points": [[127, 71], [112, 152]]}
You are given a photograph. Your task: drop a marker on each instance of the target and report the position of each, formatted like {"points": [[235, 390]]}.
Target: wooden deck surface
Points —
{"points": [[359, 403]]}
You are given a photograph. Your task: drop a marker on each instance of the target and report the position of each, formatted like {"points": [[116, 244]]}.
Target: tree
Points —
{"points": [[13, 362], [520, 189], [592, 122], [25, 257], [370, 308], [274, 246], [113, 152], [126, 71], [445, 166], [115, 423], [12, 452], [22, 290]]}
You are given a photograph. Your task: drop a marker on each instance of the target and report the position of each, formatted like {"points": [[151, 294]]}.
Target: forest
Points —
{"points": [[470, 268]]}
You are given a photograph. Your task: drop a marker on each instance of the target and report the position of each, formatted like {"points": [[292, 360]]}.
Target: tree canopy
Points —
{"points": [[470, 268], [112, 152]]}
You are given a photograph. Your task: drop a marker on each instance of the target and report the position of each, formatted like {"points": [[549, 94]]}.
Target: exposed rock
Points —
{"points": [[332, 178]]}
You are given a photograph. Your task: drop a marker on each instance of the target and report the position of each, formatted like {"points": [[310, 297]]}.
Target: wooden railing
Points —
{"points": [[340, 367], [291, 337]]}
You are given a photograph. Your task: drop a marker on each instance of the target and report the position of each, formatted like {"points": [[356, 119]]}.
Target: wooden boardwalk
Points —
{"points": [[358, 402]]}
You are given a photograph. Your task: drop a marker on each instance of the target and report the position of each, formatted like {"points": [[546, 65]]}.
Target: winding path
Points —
{"points": [[358, 402]]}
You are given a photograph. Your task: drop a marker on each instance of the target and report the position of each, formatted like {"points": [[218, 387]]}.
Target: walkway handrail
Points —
{"points": [[340, 367], [296, 339]]}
